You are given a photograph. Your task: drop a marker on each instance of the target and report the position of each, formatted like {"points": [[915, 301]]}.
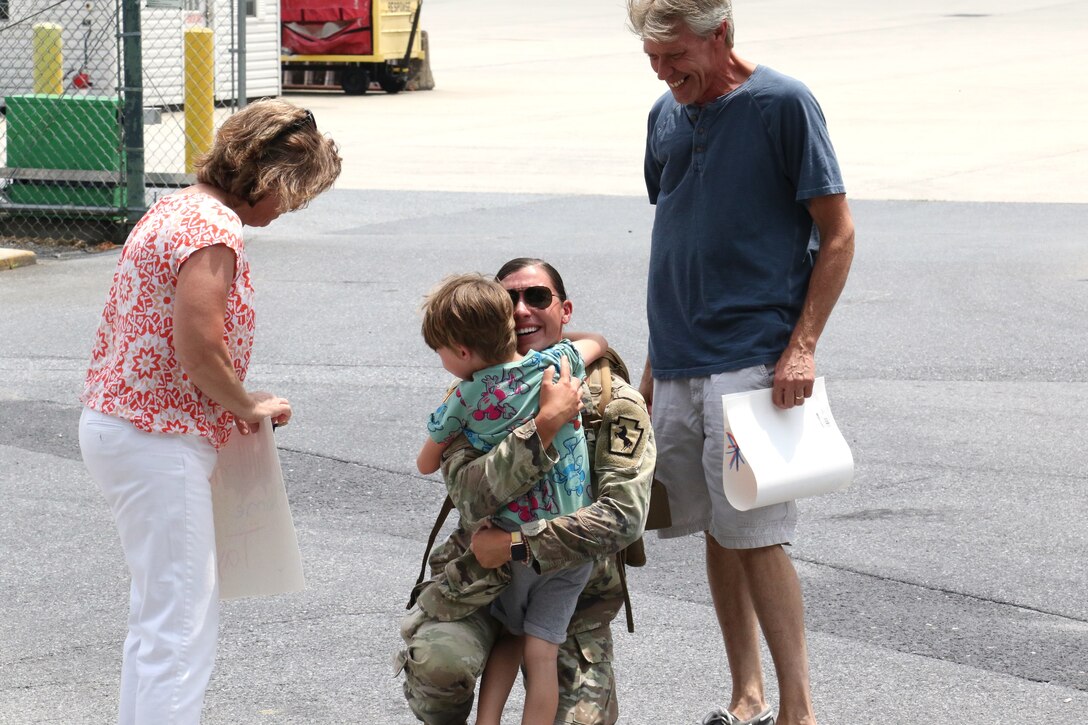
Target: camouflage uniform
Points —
{"points": [[450, 633]]}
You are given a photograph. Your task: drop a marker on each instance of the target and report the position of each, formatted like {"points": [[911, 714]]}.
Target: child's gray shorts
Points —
{"points": [[541, 605]]}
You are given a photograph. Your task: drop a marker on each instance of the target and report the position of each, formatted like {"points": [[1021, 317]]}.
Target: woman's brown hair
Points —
{"points": [[271, 146]]}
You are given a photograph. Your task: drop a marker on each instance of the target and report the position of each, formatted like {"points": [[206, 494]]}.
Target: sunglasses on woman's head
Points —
{"points": [[307, 120], [538, 297]]}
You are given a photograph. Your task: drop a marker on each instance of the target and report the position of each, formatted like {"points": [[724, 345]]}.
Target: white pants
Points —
{"points": [[157, 486]]}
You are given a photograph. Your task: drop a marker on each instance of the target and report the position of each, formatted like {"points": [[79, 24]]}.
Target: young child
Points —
{"points": [[469, 321]]}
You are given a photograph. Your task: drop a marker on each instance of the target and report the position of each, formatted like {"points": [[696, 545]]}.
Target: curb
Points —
{"points": [[12, 258]]}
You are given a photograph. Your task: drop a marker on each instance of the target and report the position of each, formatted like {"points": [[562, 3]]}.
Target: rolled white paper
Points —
{"points": [[774, 455]]}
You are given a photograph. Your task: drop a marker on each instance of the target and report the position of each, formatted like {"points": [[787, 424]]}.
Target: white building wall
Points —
{"points": [[163, 55], [262, 48], [90, 42], [263, 75]]}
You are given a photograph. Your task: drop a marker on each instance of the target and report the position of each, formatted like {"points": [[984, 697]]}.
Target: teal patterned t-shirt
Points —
{"points": [[500, 398]]}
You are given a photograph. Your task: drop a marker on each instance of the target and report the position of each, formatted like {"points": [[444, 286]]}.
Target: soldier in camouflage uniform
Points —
{"points": [[450, 633]]}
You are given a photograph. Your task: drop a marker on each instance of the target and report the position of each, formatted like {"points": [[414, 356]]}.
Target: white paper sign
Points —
{"points": [[255, 542], [774, 455]]}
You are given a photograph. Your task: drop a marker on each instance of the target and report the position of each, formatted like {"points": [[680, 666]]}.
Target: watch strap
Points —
{"points": [[519, 550]]}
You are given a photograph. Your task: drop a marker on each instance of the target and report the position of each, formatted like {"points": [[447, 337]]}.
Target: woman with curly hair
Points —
{"points": [[165, 390]]}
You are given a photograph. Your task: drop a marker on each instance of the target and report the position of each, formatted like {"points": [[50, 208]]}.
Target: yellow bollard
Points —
{"points": [[199, 93], [48, 59]]}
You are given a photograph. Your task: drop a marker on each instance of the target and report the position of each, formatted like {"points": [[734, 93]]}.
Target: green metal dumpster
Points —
{"points": [[65, 151]]}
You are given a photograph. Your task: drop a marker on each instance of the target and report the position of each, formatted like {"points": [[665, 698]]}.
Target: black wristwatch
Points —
{"points": [[519, 550]]}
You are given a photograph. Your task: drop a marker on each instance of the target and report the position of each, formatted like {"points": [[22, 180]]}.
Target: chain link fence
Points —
{"points": [[105, 104]]}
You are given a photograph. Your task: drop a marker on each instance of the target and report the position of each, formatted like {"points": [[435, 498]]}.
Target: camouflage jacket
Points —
{"points": [[621, 445]]}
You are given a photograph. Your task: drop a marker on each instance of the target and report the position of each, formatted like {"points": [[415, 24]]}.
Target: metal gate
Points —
{"points": [[93, 97]]}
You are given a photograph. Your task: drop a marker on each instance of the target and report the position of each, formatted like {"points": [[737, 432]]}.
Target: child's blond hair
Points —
{"points": [[474, 311]]}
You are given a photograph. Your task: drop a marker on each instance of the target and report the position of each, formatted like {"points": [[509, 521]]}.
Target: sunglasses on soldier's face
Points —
{"points": [[538, 297]]}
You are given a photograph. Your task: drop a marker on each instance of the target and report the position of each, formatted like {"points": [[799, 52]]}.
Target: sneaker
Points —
{"points": [[721, 716]]}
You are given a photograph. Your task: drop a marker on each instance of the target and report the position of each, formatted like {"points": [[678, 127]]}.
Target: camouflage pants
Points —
{"points": [[587, 686], [442, 661]]}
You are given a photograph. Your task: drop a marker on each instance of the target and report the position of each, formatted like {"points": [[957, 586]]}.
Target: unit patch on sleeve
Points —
{"points": [[624, 436]]}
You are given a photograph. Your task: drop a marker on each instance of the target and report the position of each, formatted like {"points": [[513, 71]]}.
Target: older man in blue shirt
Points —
{"points": [[752, 242]]}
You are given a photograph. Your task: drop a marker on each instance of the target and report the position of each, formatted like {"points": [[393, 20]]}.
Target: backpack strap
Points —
{"points": [[447, 506], [620, 565], [604, 367]]}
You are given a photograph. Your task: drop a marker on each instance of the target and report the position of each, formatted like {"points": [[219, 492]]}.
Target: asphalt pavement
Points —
{"points": [[946, 585]]}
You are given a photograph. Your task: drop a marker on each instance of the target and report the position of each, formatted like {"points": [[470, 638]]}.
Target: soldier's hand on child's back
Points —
{"points": [[560, 401]]}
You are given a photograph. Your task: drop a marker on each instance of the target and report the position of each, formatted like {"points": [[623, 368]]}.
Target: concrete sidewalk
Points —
{"points": [[12, 258]]}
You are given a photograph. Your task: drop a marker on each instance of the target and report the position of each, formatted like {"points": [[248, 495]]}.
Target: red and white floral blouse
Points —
{"points": [[134, 373]]}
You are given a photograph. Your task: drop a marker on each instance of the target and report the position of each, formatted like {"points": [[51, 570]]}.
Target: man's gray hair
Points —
{"points": [[656, 19]]}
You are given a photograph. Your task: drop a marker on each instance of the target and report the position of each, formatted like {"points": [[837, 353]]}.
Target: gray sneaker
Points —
{"points": [[721, 716]]}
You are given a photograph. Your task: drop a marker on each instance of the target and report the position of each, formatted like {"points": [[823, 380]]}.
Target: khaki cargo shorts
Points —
{"points": [[689, 428]]}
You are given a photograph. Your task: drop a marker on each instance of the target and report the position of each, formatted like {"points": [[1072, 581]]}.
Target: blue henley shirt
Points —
{"points": [[732, 243]]}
